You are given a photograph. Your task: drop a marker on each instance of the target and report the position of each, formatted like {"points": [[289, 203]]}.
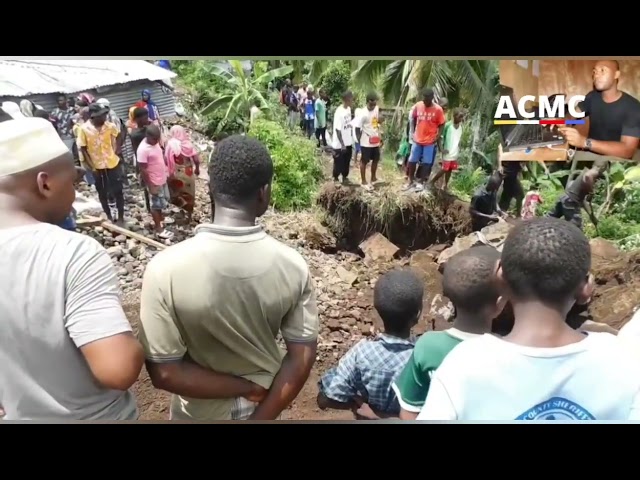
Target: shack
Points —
{"points": [[119, 81]]}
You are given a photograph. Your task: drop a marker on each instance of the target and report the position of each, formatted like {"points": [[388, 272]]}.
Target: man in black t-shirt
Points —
{"points": [[483, 208], [137, 134], [614, 116]]}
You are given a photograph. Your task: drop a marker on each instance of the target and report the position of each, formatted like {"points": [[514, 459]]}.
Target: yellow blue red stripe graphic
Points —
{"points": [[538, 122]]}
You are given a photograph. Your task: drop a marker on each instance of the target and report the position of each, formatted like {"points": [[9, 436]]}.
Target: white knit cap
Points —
{"points": [[27, 143], [12, 109]]}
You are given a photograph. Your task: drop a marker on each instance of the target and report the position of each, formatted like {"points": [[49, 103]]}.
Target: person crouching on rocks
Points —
{"points": [[484, 209], [154, 174]]}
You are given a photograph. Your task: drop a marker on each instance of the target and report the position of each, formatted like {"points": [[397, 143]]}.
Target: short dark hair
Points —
{"points": [[459, 111], [428, 92], [469, 278], [39, 113], [240, 166], [372, 97], [140, 112], [153, 131], [546, 259], [495, 178], [397, 297], [347, 94]]}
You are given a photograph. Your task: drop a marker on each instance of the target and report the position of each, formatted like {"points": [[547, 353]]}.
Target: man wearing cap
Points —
{"points": [[97, 140], [11, 110], [67, 349]]}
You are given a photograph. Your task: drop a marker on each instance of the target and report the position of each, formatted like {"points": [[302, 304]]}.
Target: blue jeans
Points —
{"points": [[89, 178]]}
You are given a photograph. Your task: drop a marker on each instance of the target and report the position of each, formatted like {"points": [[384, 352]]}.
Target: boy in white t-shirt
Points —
{"points": [[543, 369], [342, 138], [367, 128], [357, 113]]}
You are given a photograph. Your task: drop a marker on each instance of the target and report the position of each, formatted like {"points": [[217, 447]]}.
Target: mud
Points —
{"points": [[410, 221]]}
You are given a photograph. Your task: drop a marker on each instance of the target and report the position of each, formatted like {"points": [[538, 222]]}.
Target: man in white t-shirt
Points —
{"points": [[543, 369], [357, 113], [342, 139], [66, 348], [367, 126]]}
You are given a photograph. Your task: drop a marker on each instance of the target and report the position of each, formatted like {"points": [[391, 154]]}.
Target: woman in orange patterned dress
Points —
{"points": [[183, 163]]}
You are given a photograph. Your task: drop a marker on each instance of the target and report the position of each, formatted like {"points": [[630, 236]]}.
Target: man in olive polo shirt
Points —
{"points": [[213, 305]]}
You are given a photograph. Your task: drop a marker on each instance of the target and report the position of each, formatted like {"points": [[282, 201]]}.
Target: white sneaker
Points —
{"points": [[165, 235]]}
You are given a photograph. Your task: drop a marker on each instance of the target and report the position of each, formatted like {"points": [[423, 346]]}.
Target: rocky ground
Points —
{"points": [[344, 284]]}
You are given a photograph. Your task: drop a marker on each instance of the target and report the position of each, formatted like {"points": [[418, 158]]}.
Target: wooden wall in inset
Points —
{"points": [[524, 81], [573, 77]]}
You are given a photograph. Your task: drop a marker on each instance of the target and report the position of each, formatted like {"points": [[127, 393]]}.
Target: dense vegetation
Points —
{"points": [[221, 97]]}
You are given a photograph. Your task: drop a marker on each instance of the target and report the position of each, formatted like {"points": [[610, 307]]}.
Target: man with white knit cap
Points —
{"points": [[66, 347]]}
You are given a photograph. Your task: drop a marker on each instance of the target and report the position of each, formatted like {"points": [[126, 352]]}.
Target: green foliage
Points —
{"points": [[465, 182], [298, 170], [335, 80], [244, 91], [203, 88]]}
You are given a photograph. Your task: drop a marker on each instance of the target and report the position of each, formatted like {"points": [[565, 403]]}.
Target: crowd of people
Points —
{"points": [[212, 306], [167, 162]]}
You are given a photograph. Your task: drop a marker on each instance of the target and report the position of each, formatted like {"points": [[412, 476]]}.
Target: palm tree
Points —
{"points": [[469, 83], [243, 90]]}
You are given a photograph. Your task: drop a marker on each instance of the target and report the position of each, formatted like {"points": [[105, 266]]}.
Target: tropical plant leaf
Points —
{"points": [[273, 74], [632, 174], [219, 102]]}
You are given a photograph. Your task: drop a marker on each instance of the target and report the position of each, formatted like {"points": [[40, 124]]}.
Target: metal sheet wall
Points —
{"points": [[121, 98]]}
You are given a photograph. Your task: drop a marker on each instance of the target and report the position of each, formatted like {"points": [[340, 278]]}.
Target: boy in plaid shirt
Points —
{"points": [[362, 380]]}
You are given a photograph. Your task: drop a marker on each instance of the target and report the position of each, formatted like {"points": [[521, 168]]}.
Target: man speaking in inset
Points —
{"points": [[614, 118]]}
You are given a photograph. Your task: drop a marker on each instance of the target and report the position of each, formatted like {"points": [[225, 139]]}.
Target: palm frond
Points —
{"points": [[368, 72]]}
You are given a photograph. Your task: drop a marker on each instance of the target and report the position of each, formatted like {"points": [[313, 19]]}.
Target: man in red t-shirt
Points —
{"points": [[429, 119]]}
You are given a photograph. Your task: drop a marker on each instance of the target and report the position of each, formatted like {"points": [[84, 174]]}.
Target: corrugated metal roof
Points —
{"points": [[21, 78], [121, 98]]}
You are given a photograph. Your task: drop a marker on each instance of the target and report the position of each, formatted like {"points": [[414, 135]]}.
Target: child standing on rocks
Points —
{"points": [[362, 380], [469, 281], [154, 173]]}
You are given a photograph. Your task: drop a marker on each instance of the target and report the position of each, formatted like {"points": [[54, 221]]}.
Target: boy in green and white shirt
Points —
{"points": [[320, 122], [469, 282], [451, 137]]}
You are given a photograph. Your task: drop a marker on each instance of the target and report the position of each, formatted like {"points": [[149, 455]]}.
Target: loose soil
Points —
{"points": [[410, 221]]}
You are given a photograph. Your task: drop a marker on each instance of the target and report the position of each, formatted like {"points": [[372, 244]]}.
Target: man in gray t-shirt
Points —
{"points": [[66, 347]]}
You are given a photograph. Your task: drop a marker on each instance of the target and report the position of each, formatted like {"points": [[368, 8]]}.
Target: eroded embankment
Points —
{"points": [[410, 221]]}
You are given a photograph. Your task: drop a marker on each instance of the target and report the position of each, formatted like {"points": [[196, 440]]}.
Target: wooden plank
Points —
{"points": [[136, 236], [89, 222]]}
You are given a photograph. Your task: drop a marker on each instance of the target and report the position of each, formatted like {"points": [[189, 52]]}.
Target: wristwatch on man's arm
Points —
{"points": [[588, 144]]}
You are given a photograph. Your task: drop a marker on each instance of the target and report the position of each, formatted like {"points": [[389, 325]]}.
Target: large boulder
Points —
{"points": [[493, 235]]}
